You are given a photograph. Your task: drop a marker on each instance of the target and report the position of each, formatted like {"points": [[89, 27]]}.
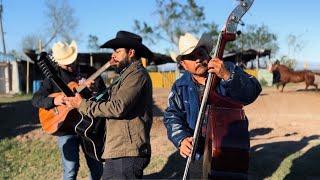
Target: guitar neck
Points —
{"points": [[94, 76]]}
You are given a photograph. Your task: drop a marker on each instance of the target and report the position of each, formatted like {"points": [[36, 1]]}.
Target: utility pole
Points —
{"points": [[1, 29], [4, 50]]}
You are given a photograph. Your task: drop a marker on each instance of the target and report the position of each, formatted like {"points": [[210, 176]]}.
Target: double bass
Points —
{"points": [[226, 151]]}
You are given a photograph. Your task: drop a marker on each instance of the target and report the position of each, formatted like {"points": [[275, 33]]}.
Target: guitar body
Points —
{"points": [[60, 119], [92, 132]]}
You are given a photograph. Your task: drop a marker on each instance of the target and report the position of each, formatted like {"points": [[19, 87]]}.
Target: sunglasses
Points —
{"points": [[198, 53]]}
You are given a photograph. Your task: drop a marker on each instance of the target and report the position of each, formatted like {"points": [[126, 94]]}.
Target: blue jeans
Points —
{"points": [[69, 149], [36, 85]]}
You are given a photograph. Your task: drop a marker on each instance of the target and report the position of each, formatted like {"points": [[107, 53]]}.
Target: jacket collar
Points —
{"points": [[185, 79], [133, 64]]}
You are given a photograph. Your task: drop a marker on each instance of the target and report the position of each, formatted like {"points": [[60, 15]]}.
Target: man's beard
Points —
{"points": [[122, 65]]}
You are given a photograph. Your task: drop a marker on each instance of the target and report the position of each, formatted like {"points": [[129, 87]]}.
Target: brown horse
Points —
{"points": [[288, 75]]}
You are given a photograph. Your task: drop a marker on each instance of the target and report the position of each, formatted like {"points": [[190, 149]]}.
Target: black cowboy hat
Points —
{"points": [[125, 39]]}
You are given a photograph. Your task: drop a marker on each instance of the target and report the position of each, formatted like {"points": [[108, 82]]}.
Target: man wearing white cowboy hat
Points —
{"points": [[65, 55], [128, 111], [185, 96]]}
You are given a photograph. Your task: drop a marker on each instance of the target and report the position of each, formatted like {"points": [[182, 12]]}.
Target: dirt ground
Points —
{"points": [[290, 115], [275, 118]]}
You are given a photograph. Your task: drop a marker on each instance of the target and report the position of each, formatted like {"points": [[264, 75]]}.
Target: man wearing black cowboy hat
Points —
{"points": [[128, 110]]}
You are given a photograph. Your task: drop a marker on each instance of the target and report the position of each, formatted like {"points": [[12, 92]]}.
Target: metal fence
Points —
{"points": [[162, 79]]}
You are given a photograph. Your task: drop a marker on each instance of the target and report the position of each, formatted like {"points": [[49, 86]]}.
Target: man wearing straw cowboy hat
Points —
{"points": [[65, 55], [128, 111], [185, 96]]}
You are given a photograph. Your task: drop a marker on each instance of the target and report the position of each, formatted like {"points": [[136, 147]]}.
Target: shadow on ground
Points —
{"points": [[173, 169], [20, 117], [266, 158], [306, 166], [260, 132], [308, 90], [17, 118]]}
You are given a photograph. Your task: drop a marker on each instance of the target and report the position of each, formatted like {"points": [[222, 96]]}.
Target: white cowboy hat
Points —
{"points": [[63, 53], [188, 43]]}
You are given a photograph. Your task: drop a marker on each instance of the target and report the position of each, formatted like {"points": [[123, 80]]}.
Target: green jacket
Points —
{"points": [[128, 114]]}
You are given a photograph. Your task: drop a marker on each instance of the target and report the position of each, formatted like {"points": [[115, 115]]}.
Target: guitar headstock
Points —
{"points": [[48, 67], [46, 64], [53, 63]]}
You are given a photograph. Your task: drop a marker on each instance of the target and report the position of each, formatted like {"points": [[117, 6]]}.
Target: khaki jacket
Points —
{"points": [[128, 114]]}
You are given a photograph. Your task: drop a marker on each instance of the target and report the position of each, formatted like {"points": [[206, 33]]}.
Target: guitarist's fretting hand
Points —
{"points": [[88, 83], [59, 100], [73, 102]]}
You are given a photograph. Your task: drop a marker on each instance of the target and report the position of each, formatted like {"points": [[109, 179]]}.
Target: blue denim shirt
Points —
{"points": [[183, 101]]}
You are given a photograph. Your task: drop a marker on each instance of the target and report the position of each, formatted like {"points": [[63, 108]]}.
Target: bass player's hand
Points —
{"points": [[73, 102], [186, 146], [216, 66], [58, 100]]}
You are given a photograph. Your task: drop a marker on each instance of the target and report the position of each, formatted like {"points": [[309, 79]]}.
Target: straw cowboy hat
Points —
{"points": [[125, 39], [188, 43], [63, 53]]}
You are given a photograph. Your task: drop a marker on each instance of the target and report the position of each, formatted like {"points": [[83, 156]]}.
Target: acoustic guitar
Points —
{"points": [[53, 119]]}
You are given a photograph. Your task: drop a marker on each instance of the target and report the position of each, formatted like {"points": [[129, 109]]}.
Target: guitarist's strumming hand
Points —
{"points": [[73, 102], [185, 147], [58, 100]]}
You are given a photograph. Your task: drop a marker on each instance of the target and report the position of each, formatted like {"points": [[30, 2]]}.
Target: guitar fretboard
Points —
{"points": [[94, 76]]}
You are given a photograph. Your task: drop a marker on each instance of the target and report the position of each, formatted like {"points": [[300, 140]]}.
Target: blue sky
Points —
{"points": [[104, 18]]}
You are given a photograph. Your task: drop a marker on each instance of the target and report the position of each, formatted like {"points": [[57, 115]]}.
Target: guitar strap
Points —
{"points": [[102, 94], [107, 90]]}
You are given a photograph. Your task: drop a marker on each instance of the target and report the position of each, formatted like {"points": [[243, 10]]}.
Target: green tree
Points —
{"points": [[258, 37], [174, 19]]}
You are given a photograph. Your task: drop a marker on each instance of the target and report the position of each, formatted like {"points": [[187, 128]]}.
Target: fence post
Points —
{"points": [[144, 62]]}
